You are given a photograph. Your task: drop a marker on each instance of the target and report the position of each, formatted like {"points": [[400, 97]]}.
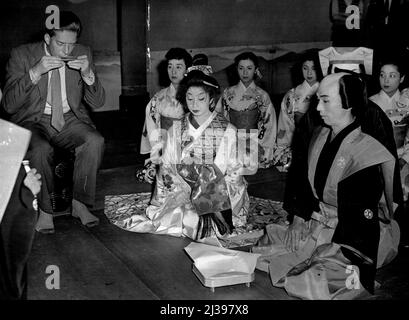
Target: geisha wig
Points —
{"points": [[197, 78]]}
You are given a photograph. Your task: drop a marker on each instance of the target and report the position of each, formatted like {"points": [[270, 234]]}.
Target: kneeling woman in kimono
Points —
{"points": [[331, 250], [200, 191]]}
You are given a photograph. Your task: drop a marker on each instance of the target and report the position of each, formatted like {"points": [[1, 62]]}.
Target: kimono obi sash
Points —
{"points": [[399, 133], [247, 119], [166, 122], [209, 190]]}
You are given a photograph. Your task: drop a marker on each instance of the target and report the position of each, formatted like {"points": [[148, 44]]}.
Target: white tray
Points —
{"points": [[222, 280]]}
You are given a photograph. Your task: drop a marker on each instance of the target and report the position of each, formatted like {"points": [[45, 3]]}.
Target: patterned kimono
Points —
{"points": [[200, 191], [160, 112], [397, 110], [251, 108], [295, 104], [338, 258]]}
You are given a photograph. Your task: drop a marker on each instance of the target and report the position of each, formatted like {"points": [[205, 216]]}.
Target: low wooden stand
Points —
{"points": [[224, 280]]}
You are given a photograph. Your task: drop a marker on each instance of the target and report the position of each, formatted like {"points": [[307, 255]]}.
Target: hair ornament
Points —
{"points": [[206, 69], [210, 84], [258, 73]]}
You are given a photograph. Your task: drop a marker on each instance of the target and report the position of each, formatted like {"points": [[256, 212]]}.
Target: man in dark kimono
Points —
{"points": [[338, 226], [373, 122]]}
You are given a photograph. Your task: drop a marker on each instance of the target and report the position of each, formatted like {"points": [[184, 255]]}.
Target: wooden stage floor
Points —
{"points": [[107, 262]]}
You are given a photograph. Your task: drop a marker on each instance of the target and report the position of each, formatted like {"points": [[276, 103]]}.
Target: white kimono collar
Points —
{"points": [[242, 87], [197, 132], [395, 96], [172, 90], [305, 85]]}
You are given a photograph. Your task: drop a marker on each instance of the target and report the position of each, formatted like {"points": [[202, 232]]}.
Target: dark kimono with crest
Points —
{"points": [[344, 227]]}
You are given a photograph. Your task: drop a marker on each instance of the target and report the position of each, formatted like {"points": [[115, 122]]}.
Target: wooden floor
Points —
{"points": [[106, 262]]}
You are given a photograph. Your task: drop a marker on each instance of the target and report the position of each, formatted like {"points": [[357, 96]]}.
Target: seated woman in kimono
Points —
{"points": [[330, 249], [161, 110], [295, 104], [200, 191], [249, 107], [396, 106]]}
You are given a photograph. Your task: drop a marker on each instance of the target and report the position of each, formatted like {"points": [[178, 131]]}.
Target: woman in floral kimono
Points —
{"points": [[200, 191], [162, 110], [295, 104], [396, 106], [249, 107], [330, 250]]}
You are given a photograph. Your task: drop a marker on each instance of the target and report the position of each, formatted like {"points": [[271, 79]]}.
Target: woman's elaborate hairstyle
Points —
{"points": [[352, 89], [179, 54], [69, 21], [246, 56], [197, 78]]}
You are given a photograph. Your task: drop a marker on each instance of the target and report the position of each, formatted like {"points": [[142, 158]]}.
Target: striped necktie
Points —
{"points": [[55, 100]]}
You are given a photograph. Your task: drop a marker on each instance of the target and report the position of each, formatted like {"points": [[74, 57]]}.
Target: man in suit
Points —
{"points": [[48, 85]]}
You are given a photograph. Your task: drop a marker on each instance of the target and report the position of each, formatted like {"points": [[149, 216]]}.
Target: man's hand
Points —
{"points": [[296, 232], [46, 64], [33, 181], [81, 64]]}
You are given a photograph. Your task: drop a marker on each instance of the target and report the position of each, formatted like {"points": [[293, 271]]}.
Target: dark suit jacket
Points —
{"points": [[25, 101]]}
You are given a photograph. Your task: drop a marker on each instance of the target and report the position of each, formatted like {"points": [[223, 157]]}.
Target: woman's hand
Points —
{"points": [[296, 233], [33, 181], [233, 177], [233, 174]]}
